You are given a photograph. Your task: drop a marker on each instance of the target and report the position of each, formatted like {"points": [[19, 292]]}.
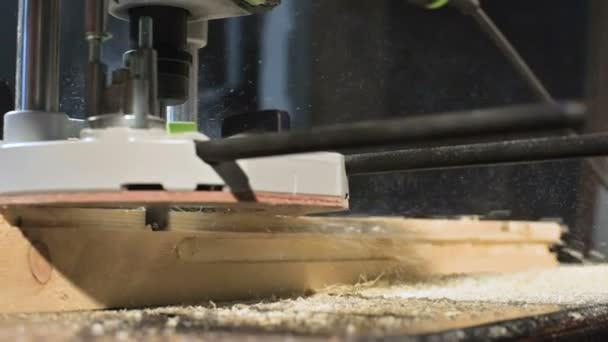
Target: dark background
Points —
{"points": [[331, 61]]}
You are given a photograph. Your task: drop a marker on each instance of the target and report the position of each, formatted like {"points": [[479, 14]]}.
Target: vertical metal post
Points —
{"points": [[589, 231], [143, 65], [96, 26], [38, 42], [96, 33]]}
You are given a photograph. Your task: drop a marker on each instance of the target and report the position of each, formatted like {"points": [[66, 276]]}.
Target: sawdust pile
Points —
{"points": [[378, 308], [573, 285]]}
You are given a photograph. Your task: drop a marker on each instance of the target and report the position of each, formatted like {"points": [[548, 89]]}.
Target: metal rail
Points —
{"points": [[474, 9], [515, 151], [383, 132]]}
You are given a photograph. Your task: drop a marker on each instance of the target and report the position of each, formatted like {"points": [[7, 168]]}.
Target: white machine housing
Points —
{"points": [[47, 152], [112, 159]]}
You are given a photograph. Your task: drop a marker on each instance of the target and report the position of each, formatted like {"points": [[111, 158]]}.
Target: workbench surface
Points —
{"points": [[556, 303]]}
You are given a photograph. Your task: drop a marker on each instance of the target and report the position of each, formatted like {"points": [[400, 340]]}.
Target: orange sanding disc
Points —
{"points": [[258, 201]]}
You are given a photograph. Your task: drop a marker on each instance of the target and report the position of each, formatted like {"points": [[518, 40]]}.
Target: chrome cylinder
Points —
{"points": [[96, 33], [144, 75], [38, 42], [95, 86], [96, 19]]}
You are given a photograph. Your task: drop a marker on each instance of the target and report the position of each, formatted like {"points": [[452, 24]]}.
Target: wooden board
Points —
{"points": [[75, 259]]}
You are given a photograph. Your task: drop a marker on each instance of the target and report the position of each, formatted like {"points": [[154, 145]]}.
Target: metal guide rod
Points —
{"points": [[38, 42], [96, 22], [515, 151], [143, 65], [96, 33], [473, 8], [382, 132]]}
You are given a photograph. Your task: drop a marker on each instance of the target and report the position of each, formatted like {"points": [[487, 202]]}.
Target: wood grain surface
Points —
{"points": [[64, 259]]}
